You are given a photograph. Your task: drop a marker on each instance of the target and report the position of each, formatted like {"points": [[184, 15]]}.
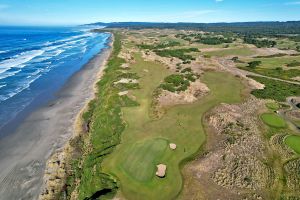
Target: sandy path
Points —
{"points": [[23, 154]]}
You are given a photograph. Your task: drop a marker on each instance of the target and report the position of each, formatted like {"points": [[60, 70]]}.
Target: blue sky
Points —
{"points": [[64, 12]]}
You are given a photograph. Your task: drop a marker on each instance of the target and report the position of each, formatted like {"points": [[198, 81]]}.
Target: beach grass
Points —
{"points": [[144, 142]]}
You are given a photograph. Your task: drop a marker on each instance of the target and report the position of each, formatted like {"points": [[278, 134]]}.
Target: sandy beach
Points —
{"points": [[23, 154]]}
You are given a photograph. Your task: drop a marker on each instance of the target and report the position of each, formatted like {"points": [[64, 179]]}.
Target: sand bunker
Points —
{"points": [[161, 170], [173, 146], [126, 80], [192, 94], [123, 93], [125, 65]]}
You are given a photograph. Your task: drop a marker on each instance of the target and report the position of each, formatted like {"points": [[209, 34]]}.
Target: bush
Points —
{"points": [[254, 64], [277, 90], [188, 69], [294, 63], [177, 53], [168, 87], [259, 43], [213, 40], [179, 82]]}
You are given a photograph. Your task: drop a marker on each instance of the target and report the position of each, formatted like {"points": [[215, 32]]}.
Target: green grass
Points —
{"points": [[140, 160], [293, 141], [143, 140], [233, 52], [277, 90], [273, 120]]}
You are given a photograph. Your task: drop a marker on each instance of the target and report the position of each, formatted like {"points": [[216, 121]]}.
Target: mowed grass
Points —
{"points": [[234, 52], [293, 141], [141, 159], [273, 120], [145, 141]]}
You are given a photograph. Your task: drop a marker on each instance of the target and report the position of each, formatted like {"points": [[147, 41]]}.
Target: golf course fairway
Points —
{"points": [[145, 141]]}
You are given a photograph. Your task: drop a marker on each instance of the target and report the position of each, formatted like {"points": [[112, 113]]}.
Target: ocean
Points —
{"points": [[35, 62]]}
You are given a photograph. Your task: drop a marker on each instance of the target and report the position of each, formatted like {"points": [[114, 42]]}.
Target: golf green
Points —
{"points": [[293, 141], [273, 120]]}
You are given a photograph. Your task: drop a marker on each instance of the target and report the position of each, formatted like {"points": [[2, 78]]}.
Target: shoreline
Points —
{"points": [[54, 175], [24, 154]]}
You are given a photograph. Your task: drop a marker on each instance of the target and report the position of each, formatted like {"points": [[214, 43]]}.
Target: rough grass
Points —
{"points": [[273, 106], [273, 120], [293, 141], [180, 125], [274, 62], [228, 52]]}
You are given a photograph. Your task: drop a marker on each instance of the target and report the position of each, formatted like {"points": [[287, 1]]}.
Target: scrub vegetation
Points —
{"points": [[277, 90]]}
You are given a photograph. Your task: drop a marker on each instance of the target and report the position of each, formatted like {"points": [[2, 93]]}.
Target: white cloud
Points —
{"points": [[219, 0], [293, 3]]}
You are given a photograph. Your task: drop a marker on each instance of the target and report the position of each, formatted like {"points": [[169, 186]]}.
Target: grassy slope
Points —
{"points": [[143, 137]]}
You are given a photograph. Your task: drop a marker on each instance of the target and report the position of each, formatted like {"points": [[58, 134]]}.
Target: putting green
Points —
{"points": [[273, 120], [293, 141], [145, 140], [140, 161]]}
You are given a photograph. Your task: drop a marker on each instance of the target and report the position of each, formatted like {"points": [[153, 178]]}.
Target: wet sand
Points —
{"points": [[23, 154]]}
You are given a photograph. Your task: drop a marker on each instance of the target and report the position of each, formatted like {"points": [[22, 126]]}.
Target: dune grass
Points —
{"points": [[293, 141], [273, 120], [144, 142]]}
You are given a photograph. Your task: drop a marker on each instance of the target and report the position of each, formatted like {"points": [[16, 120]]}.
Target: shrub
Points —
{"points": [[177, 53], [277, 90], [259, 43], [254, 64], [294, 63]]}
